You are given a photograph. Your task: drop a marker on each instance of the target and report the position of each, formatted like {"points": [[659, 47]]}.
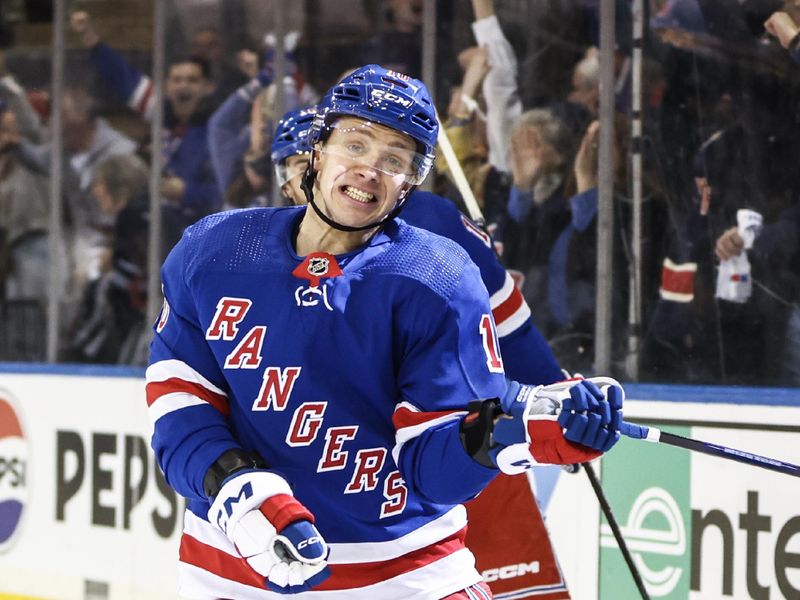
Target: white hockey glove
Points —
{"points": [[563, 423], [255, 508]]}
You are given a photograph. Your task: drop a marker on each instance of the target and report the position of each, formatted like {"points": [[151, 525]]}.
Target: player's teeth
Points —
{"points": [[358, 194]]}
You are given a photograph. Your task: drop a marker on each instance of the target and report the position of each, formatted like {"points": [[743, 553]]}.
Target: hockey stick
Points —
{"points": [[651, 434], [459, 178], [612, 522]]}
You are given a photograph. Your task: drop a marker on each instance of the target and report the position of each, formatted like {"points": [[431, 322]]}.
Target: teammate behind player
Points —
{"points": [[290, 151], [311, 373]]}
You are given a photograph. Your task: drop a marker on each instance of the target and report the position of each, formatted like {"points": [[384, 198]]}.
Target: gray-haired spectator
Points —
{"points": [[118, 180], [586, 82], [110, 325], [537, 210]]}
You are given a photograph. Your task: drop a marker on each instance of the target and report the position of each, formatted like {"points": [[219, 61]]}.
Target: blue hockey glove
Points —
{"points": [[563, 423], [270, 529], [592, 416]]}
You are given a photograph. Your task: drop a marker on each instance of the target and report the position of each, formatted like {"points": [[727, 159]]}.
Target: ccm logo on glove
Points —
{"points": [[312, 540]]}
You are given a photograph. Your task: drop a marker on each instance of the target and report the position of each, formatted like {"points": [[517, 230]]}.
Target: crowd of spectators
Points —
{"points": [[720, 302]]}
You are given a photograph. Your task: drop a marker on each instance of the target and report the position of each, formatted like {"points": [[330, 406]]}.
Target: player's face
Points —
{"points": [[295, 167], [363, 170]]}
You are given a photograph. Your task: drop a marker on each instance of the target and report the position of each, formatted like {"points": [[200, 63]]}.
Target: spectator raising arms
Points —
{"points": [[188, 185]]}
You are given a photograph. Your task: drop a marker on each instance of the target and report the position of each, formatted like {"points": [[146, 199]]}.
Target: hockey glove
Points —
{"points": [[592, 415], [563, 423], [270, 529]]}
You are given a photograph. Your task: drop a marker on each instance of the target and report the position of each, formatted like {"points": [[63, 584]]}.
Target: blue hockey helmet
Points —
{"points": [[291, 133], [291, 138], [388, 98]]}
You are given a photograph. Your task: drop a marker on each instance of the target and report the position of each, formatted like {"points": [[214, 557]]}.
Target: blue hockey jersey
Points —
{"points": [[349, 375]]}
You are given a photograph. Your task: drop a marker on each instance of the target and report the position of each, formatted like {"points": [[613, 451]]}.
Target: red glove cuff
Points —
{"points": [[549, 446], [282, 510]]}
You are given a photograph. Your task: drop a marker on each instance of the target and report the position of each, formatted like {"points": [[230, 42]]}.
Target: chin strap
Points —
{"points": [[307, 185]]}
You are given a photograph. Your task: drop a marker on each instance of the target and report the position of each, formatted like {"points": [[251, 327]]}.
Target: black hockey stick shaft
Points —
{"points": [[612, 522], [651, 434]]}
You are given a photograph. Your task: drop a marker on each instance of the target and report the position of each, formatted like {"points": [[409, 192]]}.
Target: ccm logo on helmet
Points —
{"points": [[314, 539], [510, 571], [390, 97]]}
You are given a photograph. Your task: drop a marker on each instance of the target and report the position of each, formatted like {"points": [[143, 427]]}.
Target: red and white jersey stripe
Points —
{"points": [[141, 100], [173, 385], [677, 281], [509, 309]]}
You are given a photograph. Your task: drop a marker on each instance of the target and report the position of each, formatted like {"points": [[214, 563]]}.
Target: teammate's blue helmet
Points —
{"points": [[386, 97], [291, 134], [291, 139]]}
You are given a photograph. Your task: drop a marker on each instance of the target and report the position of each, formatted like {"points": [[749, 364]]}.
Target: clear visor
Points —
{"points": [[378, 147], [292, 167]]}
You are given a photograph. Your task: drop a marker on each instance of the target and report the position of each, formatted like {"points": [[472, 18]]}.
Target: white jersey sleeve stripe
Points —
{"points": [[503, 294], [141, 98], [170, 403], [172, 385], [177, 369]]}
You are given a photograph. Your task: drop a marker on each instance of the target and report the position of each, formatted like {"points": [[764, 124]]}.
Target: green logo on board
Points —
{"points": [[647, 486]]}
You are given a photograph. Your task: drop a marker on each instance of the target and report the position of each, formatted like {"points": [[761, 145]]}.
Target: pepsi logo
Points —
{"points": [[13, 471]]}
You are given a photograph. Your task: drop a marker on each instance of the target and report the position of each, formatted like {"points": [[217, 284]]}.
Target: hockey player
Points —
{"points": [[312, 373], [527, 358]]}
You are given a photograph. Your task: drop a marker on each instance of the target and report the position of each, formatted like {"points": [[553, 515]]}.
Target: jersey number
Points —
{"points": [[489, 335]]}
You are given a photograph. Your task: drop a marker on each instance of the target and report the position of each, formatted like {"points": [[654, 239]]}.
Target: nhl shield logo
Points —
{"points": [[318, 266]]}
